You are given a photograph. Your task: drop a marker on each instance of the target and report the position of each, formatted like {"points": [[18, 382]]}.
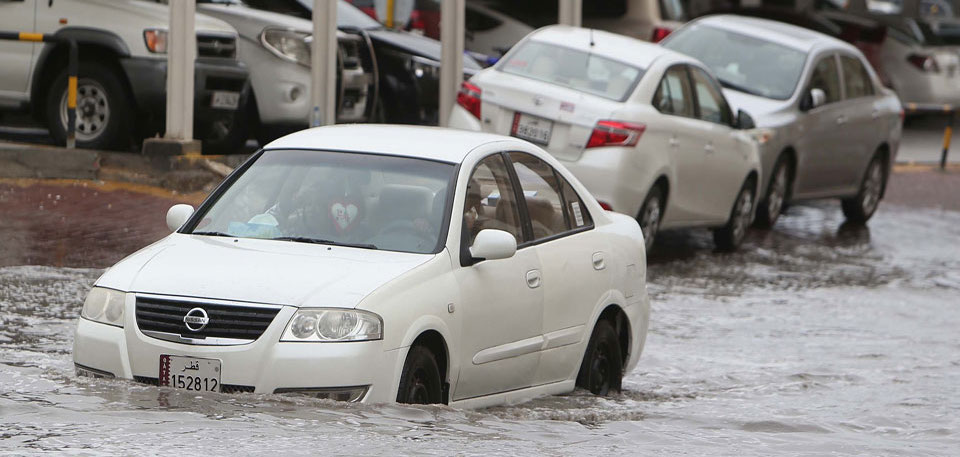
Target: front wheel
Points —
{"points": [[859, 209], [420, 382], [730, 236], [651, 213], [103, 112], [771, 207], [602, 369]]}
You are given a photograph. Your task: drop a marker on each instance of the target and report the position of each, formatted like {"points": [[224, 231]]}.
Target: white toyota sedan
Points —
{"points": [[380, 264], [647, 130]]}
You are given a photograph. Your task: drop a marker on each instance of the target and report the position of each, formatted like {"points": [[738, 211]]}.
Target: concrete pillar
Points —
{"points": [[181, 55], [571, 12], [323, 64], [452, 28]]}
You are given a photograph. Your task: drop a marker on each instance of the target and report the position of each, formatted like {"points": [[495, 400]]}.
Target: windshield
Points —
{"points": [[574, 69], [336, 198], [743, 63]]}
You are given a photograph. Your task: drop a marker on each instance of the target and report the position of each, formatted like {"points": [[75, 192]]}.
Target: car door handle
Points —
{"points": [[841, 120], [674, 142], [533, 279], [709, 148], [598, 261], [875, 114]]}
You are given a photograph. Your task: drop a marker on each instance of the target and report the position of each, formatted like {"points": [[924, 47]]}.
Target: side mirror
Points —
{"points": [[177, 215], [493, 244], [815, 98], [745, 121]]}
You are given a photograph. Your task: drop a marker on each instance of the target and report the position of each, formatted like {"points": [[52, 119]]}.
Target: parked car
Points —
{"points": [[829, 128], [377, 264], [121, 92], [647, 130], [276, 49], [488, 31], [650, 20], [407, 65]]}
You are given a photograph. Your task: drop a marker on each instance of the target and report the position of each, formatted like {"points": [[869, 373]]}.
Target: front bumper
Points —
{"points": [[148, 84], [263, 366]]}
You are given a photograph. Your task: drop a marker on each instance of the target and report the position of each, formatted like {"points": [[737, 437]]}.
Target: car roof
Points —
{"points": [[610, 45], [781, 33], [433, 143]]}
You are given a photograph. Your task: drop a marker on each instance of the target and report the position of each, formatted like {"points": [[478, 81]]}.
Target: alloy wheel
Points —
{"points": [[650, 221], [600, 371], [93, 110], [871, 188], [778, 191], [742, 216]]}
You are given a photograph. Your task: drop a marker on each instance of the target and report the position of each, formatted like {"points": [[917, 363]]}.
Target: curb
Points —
{"points": [[188, 173]]}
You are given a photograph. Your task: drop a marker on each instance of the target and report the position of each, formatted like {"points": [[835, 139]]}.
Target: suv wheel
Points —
{"points": [[103, 112]]}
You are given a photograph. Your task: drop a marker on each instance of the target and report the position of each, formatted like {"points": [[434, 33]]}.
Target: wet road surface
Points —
{"points": [[816, 338]]}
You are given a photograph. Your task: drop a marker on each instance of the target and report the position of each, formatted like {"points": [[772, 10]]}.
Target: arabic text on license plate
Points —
{"points": [[190, 373], [226, 100], [532, 128]]}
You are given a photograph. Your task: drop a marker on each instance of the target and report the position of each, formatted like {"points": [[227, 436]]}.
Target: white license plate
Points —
{"points": [[190, 373], [225, 100], [532, 128]]}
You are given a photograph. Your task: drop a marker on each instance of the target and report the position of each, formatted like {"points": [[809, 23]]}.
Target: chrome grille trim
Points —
{"points": [[230, 322]]}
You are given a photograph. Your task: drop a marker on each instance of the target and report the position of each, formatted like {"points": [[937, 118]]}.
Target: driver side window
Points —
{"points": [[490, 201], [826, 77]]}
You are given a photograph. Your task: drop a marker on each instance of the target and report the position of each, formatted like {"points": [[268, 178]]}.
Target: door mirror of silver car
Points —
{"points": [[745, 121], [813, 99], [493, 244], [177, 215]]}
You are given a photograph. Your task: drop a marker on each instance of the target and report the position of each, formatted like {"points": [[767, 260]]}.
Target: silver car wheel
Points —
{"points": [[743, 215], [778, 191], [93, 110], [650, 221], [871, 188]]}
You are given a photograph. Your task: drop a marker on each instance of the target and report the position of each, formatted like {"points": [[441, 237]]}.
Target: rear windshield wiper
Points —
{"points": [[213, 234], [738, 88], [304, 239]]}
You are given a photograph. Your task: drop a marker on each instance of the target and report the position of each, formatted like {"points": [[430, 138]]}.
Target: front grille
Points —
{"points": [[216, 46], [235, 322], [224, 388]]}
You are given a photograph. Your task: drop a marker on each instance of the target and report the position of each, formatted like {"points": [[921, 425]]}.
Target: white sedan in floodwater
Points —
{"points": [[646, 129], [379, 264]]}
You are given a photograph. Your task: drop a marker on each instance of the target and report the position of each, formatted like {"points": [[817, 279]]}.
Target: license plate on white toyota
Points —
{"points": [[532, 128], [225, 100], [190, 373]]}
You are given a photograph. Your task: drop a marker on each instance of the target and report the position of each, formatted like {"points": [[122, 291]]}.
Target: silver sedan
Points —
{"points": [[827, 127]]}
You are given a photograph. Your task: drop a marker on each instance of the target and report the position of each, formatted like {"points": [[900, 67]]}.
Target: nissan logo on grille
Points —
{"points": [[196, 319]]}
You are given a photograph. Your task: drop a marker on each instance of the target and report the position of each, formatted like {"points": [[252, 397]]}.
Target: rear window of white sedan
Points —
{"points": [[578, 70]]}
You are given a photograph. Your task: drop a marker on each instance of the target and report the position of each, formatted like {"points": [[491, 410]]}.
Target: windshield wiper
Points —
{"points": [[213, 234], [304, 239], [737, 87]]}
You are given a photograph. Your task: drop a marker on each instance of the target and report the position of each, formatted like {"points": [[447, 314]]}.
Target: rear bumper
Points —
{"points": [[262, 366], [148, 83]]}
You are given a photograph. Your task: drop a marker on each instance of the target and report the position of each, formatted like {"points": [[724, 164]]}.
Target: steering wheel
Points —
{"points": [[404, 227]]}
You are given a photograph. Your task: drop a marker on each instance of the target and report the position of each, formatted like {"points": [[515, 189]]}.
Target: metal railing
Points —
{"points": [[72, 68]]}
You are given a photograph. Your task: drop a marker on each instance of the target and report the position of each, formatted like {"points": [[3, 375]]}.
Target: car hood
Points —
{"points": [[417, 45], [259, 271], [160, 14], [759, 108]]}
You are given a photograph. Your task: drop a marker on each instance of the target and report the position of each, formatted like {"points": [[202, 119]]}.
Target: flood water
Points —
{"points": [[815, 339]]}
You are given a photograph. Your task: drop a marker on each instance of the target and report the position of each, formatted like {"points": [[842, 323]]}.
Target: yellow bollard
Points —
{"points": [[390, 13]]}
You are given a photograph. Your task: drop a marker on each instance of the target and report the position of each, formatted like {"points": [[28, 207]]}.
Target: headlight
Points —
{"points": [[156, 40], [104, 306], [763, 136], [287, 44], [422, 67], [316, 324]]}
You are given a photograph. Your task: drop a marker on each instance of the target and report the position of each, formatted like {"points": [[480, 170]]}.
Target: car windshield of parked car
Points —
{"points": [[743, 63], [578, 70], [336, 198]]}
